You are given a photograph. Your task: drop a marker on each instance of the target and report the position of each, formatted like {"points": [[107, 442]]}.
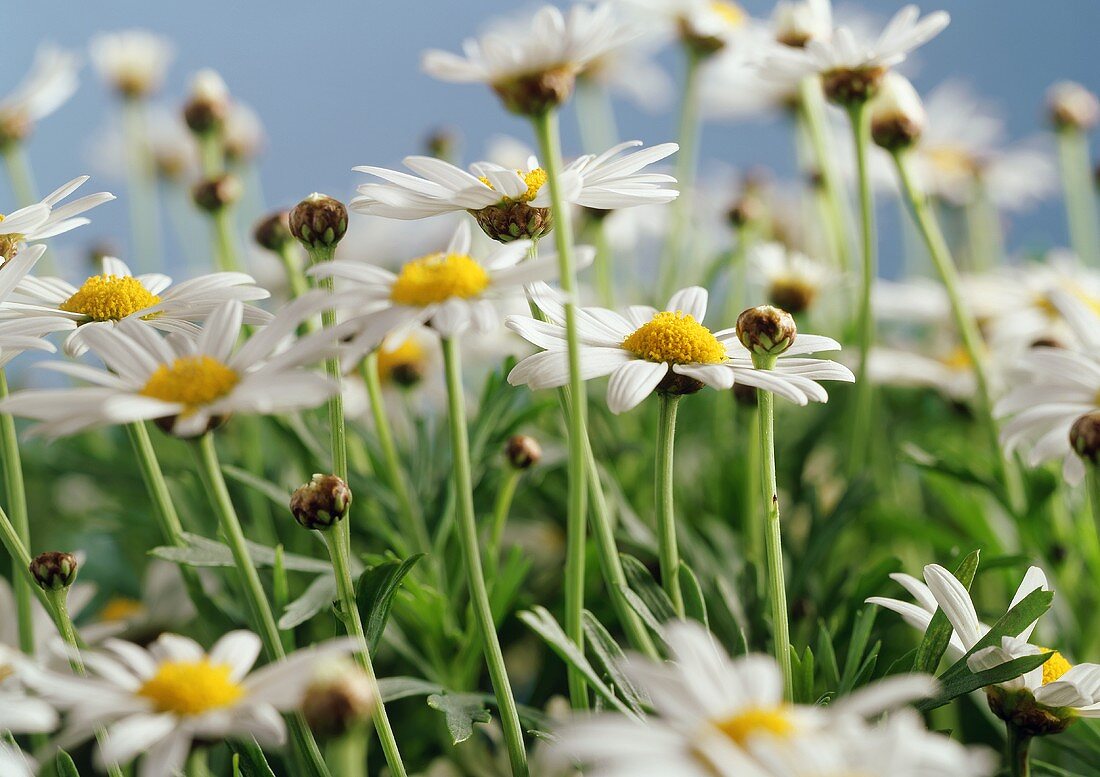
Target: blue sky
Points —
{"points": [[338, 84]]}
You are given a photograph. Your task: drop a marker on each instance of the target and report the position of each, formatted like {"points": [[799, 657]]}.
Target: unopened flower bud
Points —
{"points": [[273, 231], [1084, 436], [508, 221], [522, 451], [847, 87], [797, 22], [319, 221], [54, 570], [208, 105], [321, 502], [533, 94], [748, 209], [898, 117], [214, 194], [339, 697], [1072, 106], [766, 330]]}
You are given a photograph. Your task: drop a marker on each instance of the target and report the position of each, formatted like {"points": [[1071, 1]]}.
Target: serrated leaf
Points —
{"points": [[972, 681], [643, 584], [695, 606], [611, 657], [938, 636], [319, 595], [461, 711], [375, 592]]}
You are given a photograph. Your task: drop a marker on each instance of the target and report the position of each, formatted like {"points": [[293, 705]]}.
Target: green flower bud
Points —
{"points": [[319, 221], [766, 330], [54, 570], [321, 502]]}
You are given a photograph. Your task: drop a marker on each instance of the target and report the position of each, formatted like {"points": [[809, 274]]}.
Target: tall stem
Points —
{"points": [[501, 505], [1017, 745], [1092, 476], [812, 106], [984, 229], [773, 538], [471, 556], [666, 518], [605, 263], [546, 127], [595, 116], [141, 187], [225, 240], [16, 494], [862, 408], [206, 459], [338, 553], [1073, 154], [19, 174]]}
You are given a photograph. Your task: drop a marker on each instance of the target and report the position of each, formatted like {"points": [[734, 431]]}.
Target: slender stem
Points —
{"points": [[546, 127], [604, 264], [812, 106], [19, 174], [338, 552], [1073, 153], [206, 459], [677, 245], [753, 527], [225, 241], [773, 540], [141, 187], [1017, 745], [501, 505], [16, 495], [295, 278], [983, 228], [862, 407], [471, 556], [211, 153], [666, 518], [595, 116], [21, 561]]}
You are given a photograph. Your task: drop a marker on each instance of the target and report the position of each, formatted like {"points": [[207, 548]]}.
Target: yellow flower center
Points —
{"points": [[953, 161], [191, 687], [751, 722], [1055, 667], [408, 354], [677, 338], [958, 359], [8, 243], [730, 13], [191, 381], [1045, 304], [110, 298], [535, 179], [437, 278], [121, 608]]}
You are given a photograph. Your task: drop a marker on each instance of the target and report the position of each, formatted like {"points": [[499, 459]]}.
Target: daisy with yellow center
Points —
{"points": [[402, 362], [156, 701], [116, 295], [18, 333], [47, 218], [646, 350]]}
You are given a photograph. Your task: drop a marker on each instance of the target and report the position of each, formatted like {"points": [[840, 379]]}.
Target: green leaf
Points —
{"points": [[319, 595], [938, 635], [202, 552], [802, 675], [280, 496], [826, 657], [969, 681], [65, 766], [642, 610], [462, 711], [854, 661], [643, 584], [695, 606], [253, 763], [612, 657], [394, 688], [374, 595]]}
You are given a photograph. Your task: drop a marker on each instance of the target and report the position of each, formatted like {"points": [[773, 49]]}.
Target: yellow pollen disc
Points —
{"points": [[110, 298], [958, 359], [191, 381], [753, 721], [437, 278], [120, 608], [408, 354], [731, 13], [535, 179], [677, 338], [1055, 667], [954, 161], [191, 687]]}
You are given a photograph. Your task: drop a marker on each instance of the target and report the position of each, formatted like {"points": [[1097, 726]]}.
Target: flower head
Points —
{"points": [[47, 218], [50, 83], [1072, 106], [898, 117], [132, 62]]}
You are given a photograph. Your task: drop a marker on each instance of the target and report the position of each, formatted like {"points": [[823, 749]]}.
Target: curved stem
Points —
{"points": [[16, 494], [471, 555], [546, 127], [1073, 154], [1017, 747], [666, 518]]}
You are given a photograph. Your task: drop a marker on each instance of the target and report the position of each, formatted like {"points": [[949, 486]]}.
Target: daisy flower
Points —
{"points": [[155, 701], [187, 385], [116, 295], [49, 85], [164, 605], [20, 714], [797, 22], [705, 26], [948, 371], [47, 218], [19, 335], [647, 350], [132, 62], [792, 280], [450, 290]]}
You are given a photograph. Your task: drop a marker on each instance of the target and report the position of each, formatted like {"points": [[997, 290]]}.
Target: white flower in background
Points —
{"points": [[911, 301], [449, 290], [22, 334], [243, 133], [646, 348], [50, 83], [47, 218], [132, 62], [708, 26], [797, 22], [632, 72], [116, 295], [919, 365], [164, 606], [610, 180], [155, 701], [1056, 684], [790, 279], [189, 385], [20, 714]]}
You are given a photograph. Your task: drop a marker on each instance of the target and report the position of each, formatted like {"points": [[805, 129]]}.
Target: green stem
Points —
{"points": [[1017, 745], [812, 107], [141, 187], [546, 127], [471, 556], [773, 539], [595, 116], [16, 495], [211, 154], [501, 506], [295, 278], [1073, 154], [338, 552], [19, 174], [676, 249], [753, 527], [666, 518], [862, 408], [604, 263], [225, 240], [206, 459], [984, 229]]}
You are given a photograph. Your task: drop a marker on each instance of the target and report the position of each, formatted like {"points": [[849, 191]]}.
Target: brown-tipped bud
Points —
{"points": [[208, 105], [15, 126], [898, 117], [339, 697], [54, 570], [851, 87], [321, 502], [1084, 436], [522, 451], [748, 209], [745, 395], [792, 294], [1072, 106], [797, 23], [766, 330], [319, 221], [442, 143], [273, 231], [534, 94], [214, 194], [508, 221]]}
